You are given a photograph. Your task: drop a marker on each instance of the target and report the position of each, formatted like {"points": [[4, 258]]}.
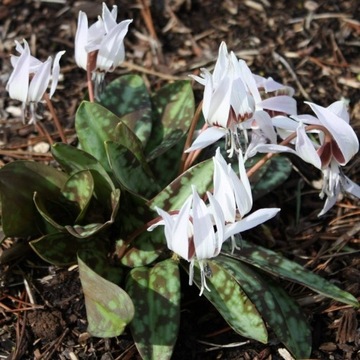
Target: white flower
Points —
{"points": [[332, 144], [104, 39], [234, 196], [232, 102], [31, 77], [197, 231], [190, 233]]}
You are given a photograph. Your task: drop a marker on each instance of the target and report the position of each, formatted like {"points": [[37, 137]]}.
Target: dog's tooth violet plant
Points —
{"points": [[122, 210]]}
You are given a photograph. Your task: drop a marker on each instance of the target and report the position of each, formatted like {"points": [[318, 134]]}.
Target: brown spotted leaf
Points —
{"points": [[156, 295], [108, 307], [232, 302], [283, 315]]}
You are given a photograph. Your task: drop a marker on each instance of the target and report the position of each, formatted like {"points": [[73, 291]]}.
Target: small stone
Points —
{"points": [[41, 148]]}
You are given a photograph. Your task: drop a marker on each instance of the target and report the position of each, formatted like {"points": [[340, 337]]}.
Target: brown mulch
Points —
{"points": [[310, 45]]}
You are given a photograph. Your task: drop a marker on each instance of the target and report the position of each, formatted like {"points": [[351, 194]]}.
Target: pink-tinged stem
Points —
{"points": [[55, 118], [186, 158], [90, 66], [286, 141]]}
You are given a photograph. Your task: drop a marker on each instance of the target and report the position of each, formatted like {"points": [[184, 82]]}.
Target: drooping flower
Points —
{"points": [[328, 145], [100, 47], [232, 102], [191, 233], [31, 77], [197, 231], [234, 196]]}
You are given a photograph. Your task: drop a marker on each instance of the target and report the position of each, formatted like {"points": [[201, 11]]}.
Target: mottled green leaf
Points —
{"points": [[55, 211], [283, 315], [175, 194], [73, 160], [232, 303], [84, 231], [18, 182], [94, 125], [273, 174], [61, 249], [129, 172], [98, 260], [173, 107], [128, 98], [142, 251], [79, 189], [156, 295], [108, 307], [278, 265]]}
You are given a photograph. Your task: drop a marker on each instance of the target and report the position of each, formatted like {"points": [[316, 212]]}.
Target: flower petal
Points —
{"points": [[205, 242], [18, 84], [305, 148], [281, 103], [55, 73], [81, 39], [249, 222], [40, 82], [206, 138], [341, 131]]}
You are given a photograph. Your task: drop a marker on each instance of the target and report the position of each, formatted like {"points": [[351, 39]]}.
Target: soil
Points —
{"points": [[310, 45]]}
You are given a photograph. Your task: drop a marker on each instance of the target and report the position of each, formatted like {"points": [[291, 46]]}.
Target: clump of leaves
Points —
{"points": [[101, 202]]}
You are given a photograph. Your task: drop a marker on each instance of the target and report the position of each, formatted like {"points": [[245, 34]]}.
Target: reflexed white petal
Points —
{"points": [[119, 55], [341, 131], [249, 222], [204, 235], [223, 187], [270, 85], [111, 48], [350, 187], [55, 73], [18, 84], [221, 64], [330, 201], [248, 200], [207, 137], [219, 107], [282, 103], [81, 39], [40, 82], [305, 148], [285, 123], [340, 109], [108, 17], [248, 78], [273, 148], [307, 119], [219, 222], [263, 121], [180, 236], [208, 93]]}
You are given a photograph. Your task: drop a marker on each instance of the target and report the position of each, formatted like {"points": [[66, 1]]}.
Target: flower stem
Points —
{"points": [[55, 118], [286, 141], [188, 159]]}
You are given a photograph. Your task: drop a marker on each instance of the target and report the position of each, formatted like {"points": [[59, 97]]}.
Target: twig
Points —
{"points": [[143, 70], [278, 57]]}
